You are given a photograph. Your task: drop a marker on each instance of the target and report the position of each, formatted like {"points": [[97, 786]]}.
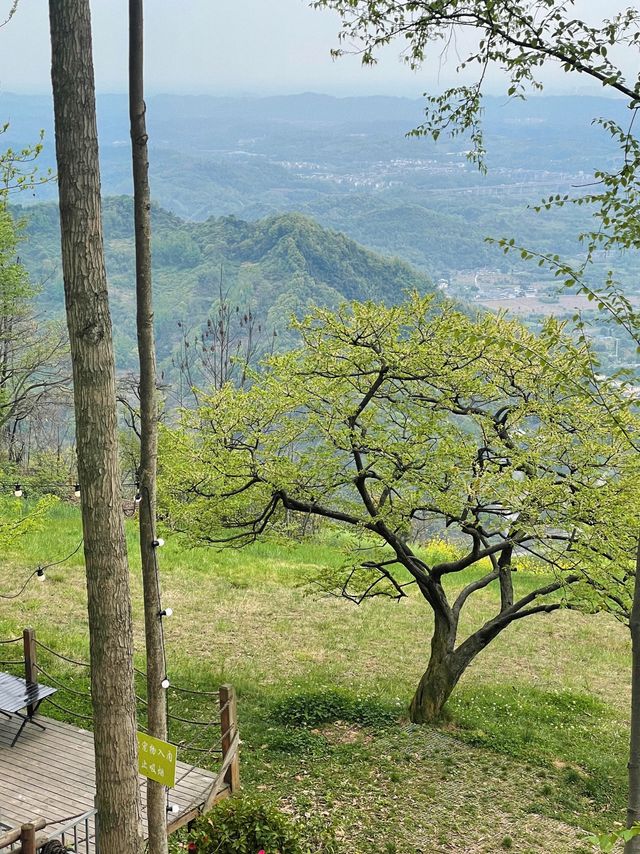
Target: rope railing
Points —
{"points": [[181, 690], [68, 711], [61, 656], [178, 688], [11, 662], [173, 717], [210, 751], [62, 685], [207, 736], [138, 671], [142, 701]]}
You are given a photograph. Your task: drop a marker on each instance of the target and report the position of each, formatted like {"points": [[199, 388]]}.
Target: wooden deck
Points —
{"points": [[51, 775]]}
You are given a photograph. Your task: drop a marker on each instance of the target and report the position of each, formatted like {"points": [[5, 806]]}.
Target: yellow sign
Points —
{"points": [[157, 759]]}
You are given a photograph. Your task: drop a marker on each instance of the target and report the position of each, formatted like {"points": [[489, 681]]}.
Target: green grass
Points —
{"points": [[533, 751]]}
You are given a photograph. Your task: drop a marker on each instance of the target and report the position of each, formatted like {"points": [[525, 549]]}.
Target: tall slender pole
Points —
{"points": [[156, 667]]}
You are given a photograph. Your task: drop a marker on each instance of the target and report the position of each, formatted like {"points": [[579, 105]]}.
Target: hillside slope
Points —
{"points": [[277, 267]]}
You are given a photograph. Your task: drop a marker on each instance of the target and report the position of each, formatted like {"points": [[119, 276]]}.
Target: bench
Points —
{"points": [[16, 694]]}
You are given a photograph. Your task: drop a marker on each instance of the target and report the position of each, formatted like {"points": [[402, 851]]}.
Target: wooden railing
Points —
{"points": [[23, 840], [27, 840], [77, 835]]}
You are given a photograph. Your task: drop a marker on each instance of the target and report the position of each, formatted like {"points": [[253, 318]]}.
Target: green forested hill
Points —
{"points": [[276, 267], [348, 164]]}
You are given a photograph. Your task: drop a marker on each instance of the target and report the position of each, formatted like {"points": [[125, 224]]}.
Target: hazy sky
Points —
{"points": [[225, 47]]}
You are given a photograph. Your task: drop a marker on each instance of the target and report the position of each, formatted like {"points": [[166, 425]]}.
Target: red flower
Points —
{"points": [[192, 848]]}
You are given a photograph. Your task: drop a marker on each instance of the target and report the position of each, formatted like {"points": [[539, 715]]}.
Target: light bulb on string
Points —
{"points": [[165, 683], [173, 808], [40, 574], [166, 612], [157, 543], [76, 490], [17, 491], [138, 497]]}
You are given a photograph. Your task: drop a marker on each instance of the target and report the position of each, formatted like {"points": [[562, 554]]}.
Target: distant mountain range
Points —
{"points": [[277, 267], [348, 163]]}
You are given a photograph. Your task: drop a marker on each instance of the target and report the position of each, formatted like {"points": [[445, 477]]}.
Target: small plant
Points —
{"points": [[607, 841], [249, 825], [289, 740], [314, 708]]}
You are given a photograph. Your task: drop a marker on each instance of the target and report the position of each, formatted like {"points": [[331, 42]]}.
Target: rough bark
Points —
{"points": [[441, 676], [156, 695], [633, 807], [89, 324]]}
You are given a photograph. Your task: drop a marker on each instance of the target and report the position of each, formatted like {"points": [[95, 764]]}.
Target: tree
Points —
{"points": [[387, 418], [517, 36], [90, 335], [154, 640], [33, 370], [222, 349], [32, 354]]}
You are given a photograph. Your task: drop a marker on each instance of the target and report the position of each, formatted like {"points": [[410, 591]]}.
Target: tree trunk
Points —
{"points": [[633, 807], [441, 676], [156, 666], [89, 324], [446, 665]]}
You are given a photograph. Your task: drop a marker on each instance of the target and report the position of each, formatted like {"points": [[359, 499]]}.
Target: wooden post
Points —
{"points": [[29, 642], [28, 838], [30, 668], [12, 836], [229, 727]]}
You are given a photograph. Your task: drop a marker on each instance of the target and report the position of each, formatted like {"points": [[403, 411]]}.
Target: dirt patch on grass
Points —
{"points": [[341, 732]]}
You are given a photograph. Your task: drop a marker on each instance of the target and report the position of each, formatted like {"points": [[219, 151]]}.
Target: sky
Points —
{"points": [[229, 47]]}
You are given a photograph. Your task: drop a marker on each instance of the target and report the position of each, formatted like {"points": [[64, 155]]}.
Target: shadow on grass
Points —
{"points": [[574, 736]]}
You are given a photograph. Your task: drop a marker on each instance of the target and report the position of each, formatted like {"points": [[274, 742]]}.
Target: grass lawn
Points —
{"points": [[534, 750]]}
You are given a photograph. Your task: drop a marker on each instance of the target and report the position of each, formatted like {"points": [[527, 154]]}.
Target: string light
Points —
{"points": [[173, 808], [43, 485], [17, 491], [166, 612], [157, 543], [165, 683], [76, 490], [39, 573]]}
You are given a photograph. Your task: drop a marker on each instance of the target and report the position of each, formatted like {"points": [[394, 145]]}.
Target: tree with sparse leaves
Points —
{"points": [[517, 36], [520, 37], [33, 364], [390, 417]]}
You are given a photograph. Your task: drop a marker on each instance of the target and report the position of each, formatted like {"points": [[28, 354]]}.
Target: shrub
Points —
{"points": [[314, 708], [292, 740], [247, 825]]}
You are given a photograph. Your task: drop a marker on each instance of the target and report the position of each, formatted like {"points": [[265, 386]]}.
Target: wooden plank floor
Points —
{"points": [[51, 775]]}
